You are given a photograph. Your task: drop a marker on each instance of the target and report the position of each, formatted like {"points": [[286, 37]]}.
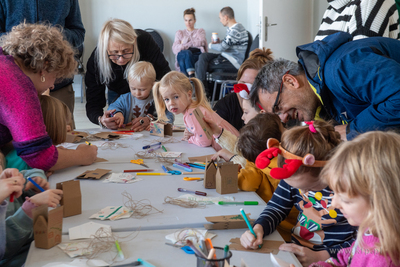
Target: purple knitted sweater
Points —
{"points": [[21, 118]]}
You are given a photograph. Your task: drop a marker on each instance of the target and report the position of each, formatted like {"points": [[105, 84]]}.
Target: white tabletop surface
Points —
{"points": [[150, 246]]}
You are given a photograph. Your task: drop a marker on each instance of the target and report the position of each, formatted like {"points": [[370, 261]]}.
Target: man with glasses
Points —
{"points": [[354, 83]]}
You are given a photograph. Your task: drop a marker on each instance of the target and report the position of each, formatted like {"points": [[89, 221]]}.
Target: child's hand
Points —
{"points": [[305, 255], [216, 130], [223, 153], [109, 121], [50, 198], [119, 119], [186, 135], [40, 181], [11, 182], [88, 154], [249, 241], [140, 124]]}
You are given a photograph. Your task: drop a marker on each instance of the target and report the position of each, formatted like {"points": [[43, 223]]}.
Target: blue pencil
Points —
{"points": [[35, 184]]}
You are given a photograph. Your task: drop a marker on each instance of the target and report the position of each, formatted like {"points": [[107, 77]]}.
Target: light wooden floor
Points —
{"points": [[82, 121]]}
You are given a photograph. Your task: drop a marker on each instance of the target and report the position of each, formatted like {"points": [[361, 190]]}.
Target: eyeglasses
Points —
{"points": [[275, 107], [116, 57]]}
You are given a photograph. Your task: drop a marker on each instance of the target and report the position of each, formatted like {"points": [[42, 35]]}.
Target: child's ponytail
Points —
{"points": [[159, 102], [201, 99]]}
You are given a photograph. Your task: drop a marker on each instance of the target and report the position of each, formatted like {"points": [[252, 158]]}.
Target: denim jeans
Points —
{"points": [[186, 60]]}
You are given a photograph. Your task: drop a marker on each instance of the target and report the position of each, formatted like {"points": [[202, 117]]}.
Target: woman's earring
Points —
{"points": [[42, 78]]}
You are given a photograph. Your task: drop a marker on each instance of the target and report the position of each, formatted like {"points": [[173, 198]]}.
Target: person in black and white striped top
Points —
{"points": [[360, 18]]}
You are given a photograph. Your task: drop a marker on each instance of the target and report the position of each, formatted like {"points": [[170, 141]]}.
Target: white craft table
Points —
{"points": [[97, 195], [150, 246]]}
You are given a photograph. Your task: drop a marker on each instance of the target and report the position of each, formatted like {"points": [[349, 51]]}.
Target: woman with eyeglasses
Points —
{"points": [[118, 48]]}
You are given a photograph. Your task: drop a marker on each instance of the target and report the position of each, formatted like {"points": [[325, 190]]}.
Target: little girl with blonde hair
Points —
{"points": [[364, 174], [175, 92]]}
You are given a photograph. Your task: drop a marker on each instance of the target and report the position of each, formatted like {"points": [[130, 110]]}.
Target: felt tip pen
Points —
{"points": [[248, 224], [163, 147], [237, 203], [143, 170], [152, 173], [148, 146], [120, 253], [35, 184], [89, 144], [193, 192], [226, 250], [144, 263], [153, 149], [164, 169], [182, 167], [197, 166]]}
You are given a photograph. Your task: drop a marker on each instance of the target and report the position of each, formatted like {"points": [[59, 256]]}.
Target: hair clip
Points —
{"points": [[293, 162], [311, 126]]}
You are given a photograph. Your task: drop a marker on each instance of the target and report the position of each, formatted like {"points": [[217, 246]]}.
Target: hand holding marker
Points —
{"points": [[249, 225]]}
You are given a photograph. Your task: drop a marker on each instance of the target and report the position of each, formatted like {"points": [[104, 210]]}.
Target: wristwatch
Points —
{"points": [[101, 125]]}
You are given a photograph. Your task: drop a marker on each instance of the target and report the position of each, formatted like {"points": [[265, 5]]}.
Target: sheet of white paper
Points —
{"points": [[112, 213], [277, 262], [179, 235], [76, 249], [78, 263], [206, 200], [87, 230]]}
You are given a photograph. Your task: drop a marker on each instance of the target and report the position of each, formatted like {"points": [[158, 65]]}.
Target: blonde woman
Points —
{"points": [[32, 58], [118, 48], [189, 44]]}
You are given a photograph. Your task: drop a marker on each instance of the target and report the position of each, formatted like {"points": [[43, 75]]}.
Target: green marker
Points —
{"points": [[237, 203], [163, 147], [249, 225]]}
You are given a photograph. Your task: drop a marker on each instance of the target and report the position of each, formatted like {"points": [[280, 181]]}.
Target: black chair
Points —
{"points": [[255, 43], [157, 38], [227, 79]]}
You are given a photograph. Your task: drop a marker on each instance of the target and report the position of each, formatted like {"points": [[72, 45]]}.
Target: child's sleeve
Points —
{"points": [[341, 261], [3, 210], [122, 104], [34, 173], [249, 179], [199, 138], [277, 209]]}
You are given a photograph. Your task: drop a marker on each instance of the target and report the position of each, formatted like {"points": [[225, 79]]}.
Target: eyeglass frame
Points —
{"points": [[276, 104], [118, 56]]}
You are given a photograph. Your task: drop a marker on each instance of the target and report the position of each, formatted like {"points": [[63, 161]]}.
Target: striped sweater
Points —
{"points": [[234, 45], [318, 227], [360, 18]]}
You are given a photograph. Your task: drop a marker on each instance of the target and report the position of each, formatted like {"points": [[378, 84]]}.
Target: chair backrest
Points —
{"points": [[79, 58], [255, 43], [249, 43], [157, 38]]}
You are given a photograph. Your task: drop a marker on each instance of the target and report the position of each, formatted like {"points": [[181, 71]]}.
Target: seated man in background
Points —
{"points": [[233, 48]]}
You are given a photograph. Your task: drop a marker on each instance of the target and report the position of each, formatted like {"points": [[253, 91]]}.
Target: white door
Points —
{"points": [[286, 24]]}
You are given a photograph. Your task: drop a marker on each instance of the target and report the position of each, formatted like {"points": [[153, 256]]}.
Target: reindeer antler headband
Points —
{"points": [[293, 162]]}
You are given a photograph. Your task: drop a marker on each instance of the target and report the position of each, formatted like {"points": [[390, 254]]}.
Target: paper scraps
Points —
{"points": [[78, 263], [169, 154], [206, 200], [112, 213], [88, 230], [179, 237], [93, 174], [76, 249], [268, 246], [122, 178]]}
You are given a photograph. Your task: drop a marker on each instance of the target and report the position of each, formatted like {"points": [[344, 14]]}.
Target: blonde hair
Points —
{"points": [[368, 166], [301, 141], [55, 116], [177, 81], [40, 47], [257, 59], [142, 70], [120, 31]]}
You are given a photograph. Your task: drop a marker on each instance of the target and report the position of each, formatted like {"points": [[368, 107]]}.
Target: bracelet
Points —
{"points": [[101, 125], [220, 133], [232, 157]]}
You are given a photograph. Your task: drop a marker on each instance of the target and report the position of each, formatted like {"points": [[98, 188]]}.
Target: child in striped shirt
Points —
{"points": [[320, 231]]}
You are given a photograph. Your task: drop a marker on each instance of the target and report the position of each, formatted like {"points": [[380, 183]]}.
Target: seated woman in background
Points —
{"points": [[118, 48], [230, 108], [189, 44]]}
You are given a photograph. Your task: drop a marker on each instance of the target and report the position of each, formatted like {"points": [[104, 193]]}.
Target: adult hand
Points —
{"points": [[249, 241], [50, 198], [40, 181], [342, 130], [11, 182], [215, 42], [87, 154], [109, 121], [216, 130], [223, 153], [186, 135], [305, 255], [140, 124]]}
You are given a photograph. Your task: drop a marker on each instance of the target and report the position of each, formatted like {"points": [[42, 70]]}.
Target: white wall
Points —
{"points": [[164, 16]]}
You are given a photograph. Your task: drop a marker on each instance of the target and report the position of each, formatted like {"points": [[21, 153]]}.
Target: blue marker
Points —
{"points": [[182, 168], [35, 184], [148, 146], [196, 166], [164, 169]]}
